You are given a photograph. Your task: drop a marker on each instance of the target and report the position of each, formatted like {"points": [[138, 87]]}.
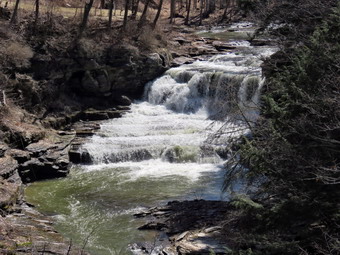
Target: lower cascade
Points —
{"points": [[168, 147]]}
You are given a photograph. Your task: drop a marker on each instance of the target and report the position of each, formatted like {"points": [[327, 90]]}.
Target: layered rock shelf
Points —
{"points": [[190, 227]]}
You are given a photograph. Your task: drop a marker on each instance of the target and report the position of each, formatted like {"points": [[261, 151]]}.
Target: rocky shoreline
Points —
{"points": [[186, 227], [23, 230]]}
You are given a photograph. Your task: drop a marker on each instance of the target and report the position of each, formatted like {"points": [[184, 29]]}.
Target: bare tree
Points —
{"points": [[143, 17], [102, 4], [110, 13], [201, 11], [172, 10], [83, 25], [15, 12], [37, 6], [135, 10], [126, 14], [158, 13]]}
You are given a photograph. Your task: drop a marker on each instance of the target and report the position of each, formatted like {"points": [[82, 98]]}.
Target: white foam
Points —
{"points": [[156, 168]]}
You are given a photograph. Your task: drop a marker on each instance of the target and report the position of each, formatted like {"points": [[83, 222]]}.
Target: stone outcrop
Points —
{"points": [[9, 192], [46, 159], [192, 227], [125, 72], [102, 77], [8, 166], [29, 232]]}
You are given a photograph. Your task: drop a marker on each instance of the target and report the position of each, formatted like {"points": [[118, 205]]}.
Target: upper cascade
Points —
{"points": [[225, 86]]}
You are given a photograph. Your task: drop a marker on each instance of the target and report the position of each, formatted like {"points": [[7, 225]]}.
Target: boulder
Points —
{"points": [[78, 155], [42, 168], [47, 160], [201, 243], [122, 100], [3, 149], [9, 193], [8, 165]]}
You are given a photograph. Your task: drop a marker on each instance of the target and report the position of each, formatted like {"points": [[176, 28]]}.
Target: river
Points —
{"points": [[164, 149]]}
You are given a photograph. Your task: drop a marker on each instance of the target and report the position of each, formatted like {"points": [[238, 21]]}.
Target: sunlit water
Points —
{"points": [[164, 149]]}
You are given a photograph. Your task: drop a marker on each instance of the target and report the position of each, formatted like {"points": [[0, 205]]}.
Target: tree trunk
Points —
{"points": [[102, 4], [110, 13], [201, 11], [37, 6], [143, 17], [135, 10], [158, 14], [172, 10], [188, 13], [83, 24], [126, 14], [15, 12], [132, 5], [226, 9]]}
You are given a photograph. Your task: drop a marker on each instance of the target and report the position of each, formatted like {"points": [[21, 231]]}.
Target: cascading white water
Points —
{"points": [[164, 149], [171, 124]]}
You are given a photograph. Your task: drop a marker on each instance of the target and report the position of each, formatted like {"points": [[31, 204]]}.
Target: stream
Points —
{"points": [[166, 148]]}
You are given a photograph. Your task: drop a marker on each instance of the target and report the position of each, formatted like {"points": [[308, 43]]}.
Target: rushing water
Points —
{"points": [[164, 149]]}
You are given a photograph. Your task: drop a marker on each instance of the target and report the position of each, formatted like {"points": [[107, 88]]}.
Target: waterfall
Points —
{"points": [[184, 109], [170, 146]]}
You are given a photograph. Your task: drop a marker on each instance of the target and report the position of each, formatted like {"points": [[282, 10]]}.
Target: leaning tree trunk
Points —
{"points": [[110, 13], [126, 14], [83, 24], [15, 12], [158, 14], [145, 10]]}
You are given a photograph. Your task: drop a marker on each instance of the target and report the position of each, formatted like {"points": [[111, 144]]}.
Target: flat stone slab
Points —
{"points": [[222, 46], [181, 61], [39, 148]]}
